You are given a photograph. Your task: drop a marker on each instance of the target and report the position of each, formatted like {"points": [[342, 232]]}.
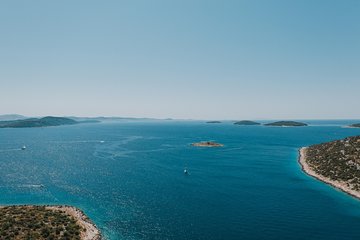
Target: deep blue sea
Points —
{"points": [[133, 187]]}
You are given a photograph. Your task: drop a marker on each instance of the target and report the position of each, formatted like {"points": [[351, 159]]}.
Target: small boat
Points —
{"points": [[102, 141], [23, 147], [186, 172]]}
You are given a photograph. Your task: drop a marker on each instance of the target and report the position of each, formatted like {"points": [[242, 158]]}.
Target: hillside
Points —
{"points": [[45, 222], [336, 161], [246, 122], [37, 122]]}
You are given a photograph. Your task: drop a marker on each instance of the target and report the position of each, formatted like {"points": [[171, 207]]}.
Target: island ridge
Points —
{"points": [[246, 122], [38, 122], [286, 124]]}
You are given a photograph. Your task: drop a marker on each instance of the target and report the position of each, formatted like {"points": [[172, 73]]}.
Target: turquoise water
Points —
{"points": [[132, 185]]}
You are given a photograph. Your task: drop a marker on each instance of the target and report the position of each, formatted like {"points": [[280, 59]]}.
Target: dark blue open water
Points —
{"points": [[132, 185]]}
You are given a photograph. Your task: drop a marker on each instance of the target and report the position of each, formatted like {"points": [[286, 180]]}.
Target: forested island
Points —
{"points": [[286, 124], [336, 163], [246, 122], [38, 122], [46, 222], [213, 122]]}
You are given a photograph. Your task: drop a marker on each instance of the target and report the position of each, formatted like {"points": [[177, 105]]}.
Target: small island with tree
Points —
{"points": [[286, 124], [207, 144], [246, 123], [336, 163]]}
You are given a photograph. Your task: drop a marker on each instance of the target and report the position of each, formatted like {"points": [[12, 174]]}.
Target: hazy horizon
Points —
{"points": [[214, 60], [187, 119]]}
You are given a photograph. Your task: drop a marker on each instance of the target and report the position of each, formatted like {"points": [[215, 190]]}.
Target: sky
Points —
{"points": [[187, 59]]}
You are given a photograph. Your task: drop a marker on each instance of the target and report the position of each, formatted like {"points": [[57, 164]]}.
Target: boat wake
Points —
{"points": [[10, 150], [80, 141], [31, 186]]}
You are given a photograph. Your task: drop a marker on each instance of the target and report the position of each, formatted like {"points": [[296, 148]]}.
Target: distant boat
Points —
{"points": [[102, 141], [186, 172], [23, 147]]}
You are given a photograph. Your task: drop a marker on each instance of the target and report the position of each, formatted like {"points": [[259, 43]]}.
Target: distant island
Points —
{"points": [[46, 222], [38, 122], [246, 122], [11, 117], [286, 124], [112, 119], [213, 122], [336, 163], [356, 125], [207, 144]]}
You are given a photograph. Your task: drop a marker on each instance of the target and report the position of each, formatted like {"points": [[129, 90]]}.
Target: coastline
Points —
{"points": [[336, 184], [350, 127], [91, 232]]}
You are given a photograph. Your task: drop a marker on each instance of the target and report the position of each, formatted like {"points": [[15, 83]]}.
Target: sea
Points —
{"points": [[128, 177]]}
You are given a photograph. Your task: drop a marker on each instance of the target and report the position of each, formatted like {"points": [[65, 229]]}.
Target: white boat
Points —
{"points": [[186, 171], [23, 147]]}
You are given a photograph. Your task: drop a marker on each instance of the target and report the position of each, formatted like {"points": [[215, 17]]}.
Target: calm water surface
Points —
{"points": [[132, 185]]}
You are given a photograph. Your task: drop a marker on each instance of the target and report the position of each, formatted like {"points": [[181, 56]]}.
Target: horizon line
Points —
{"points": [[183, 119]]}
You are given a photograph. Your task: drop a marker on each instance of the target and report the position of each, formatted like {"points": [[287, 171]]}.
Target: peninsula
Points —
{"points": [[336, 163], [207, 144], [286, 124], [246, 122], [37, 122], [46, 222], [356, 125]]}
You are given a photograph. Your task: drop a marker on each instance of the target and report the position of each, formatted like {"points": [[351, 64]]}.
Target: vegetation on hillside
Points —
{"points": [[37, 222], [337, 160], [37, 122]]}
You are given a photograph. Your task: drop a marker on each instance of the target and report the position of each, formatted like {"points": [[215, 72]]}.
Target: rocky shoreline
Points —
{"points": [[91, 231], [341, 185]]}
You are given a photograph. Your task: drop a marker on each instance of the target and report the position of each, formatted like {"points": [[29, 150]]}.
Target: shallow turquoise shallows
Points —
{"points": [[129, 178]]}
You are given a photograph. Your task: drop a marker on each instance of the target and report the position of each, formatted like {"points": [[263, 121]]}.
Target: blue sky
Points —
{"points": [[252, 59]]}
